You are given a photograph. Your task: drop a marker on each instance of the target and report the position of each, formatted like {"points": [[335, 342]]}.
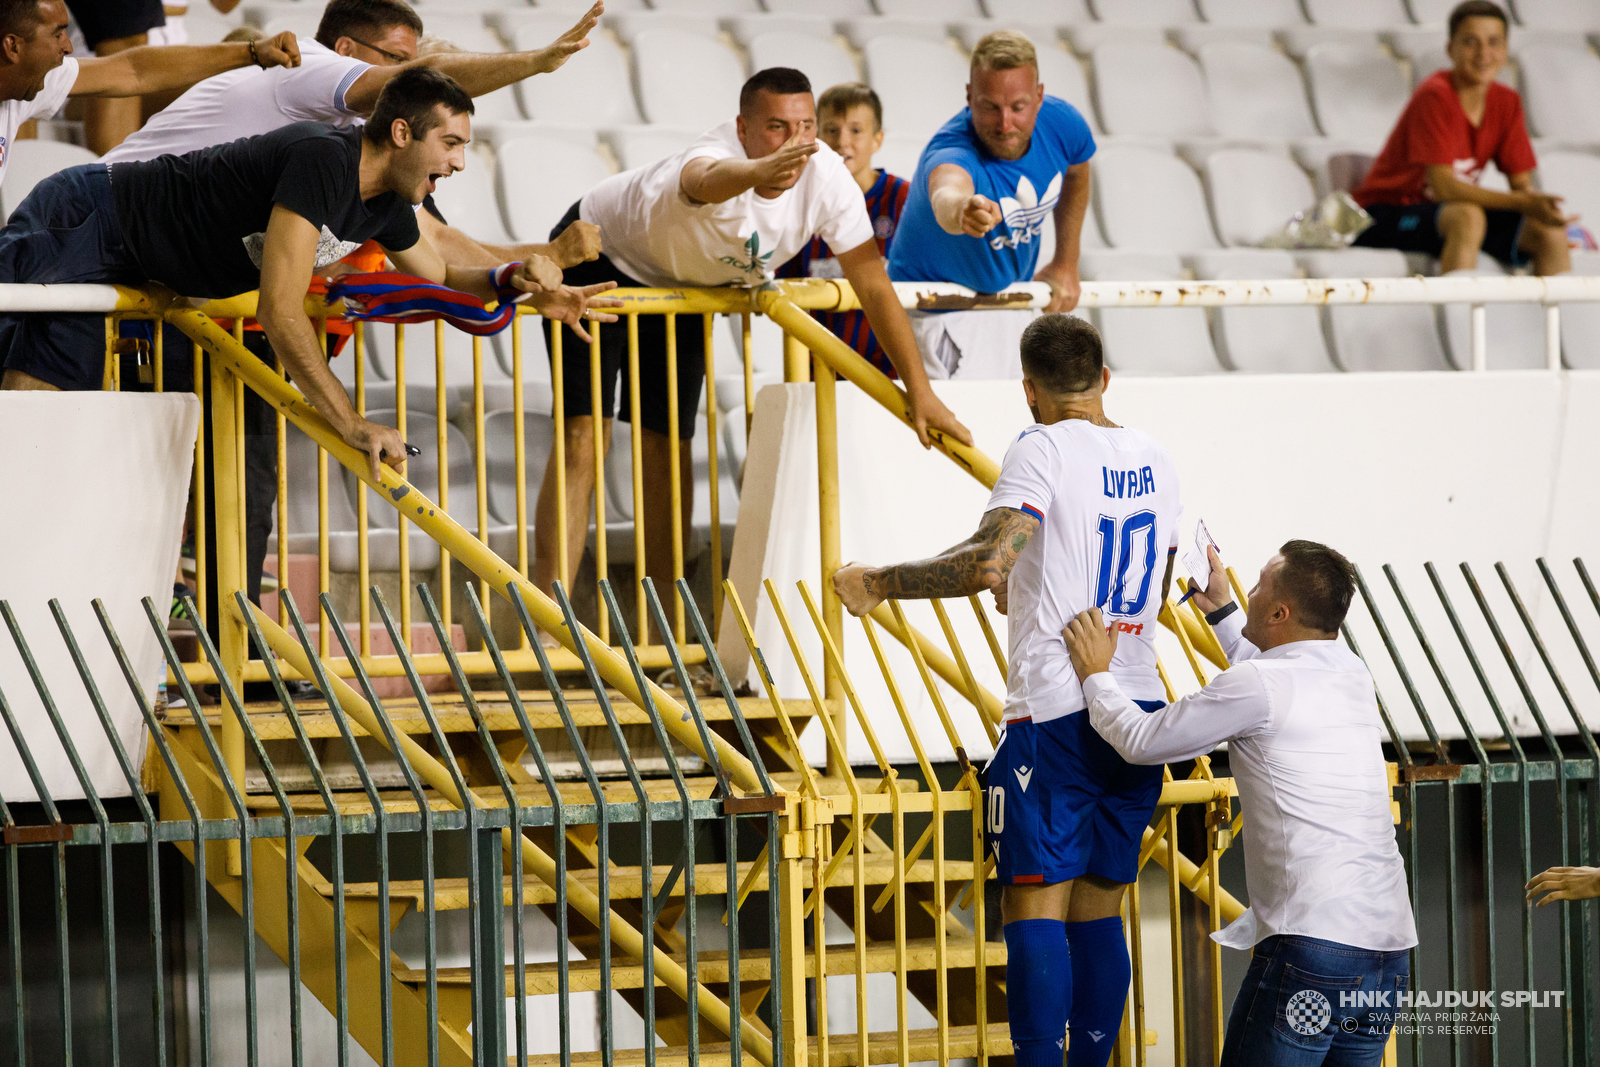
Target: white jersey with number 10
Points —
{"points": [[1107, 504]]}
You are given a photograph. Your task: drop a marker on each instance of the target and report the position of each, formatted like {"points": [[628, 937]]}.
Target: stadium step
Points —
{"points": [[842, 1050], [272, 724], [754, 966], [710, 879]]}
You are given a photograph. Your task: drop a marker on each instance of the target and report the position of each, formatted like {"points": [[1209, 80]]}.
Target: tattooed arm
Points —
{"points": [[980, 562]]}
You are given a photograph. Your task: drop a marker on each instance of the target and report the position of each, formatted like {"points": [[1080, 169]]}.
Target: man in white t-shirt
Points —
{"points": [[729, 210], [38, 73], [360, 45], [1084, 514]]}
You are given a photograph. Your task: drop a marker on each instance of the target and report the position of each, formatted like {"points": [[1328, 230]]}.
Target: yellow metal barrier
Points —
{"points": [[927, 924]]}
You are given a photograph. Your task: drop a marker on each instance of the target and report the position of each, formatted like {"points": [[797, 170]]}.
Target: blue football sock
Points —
{"points": [[1099, 992], [1038, 968]]}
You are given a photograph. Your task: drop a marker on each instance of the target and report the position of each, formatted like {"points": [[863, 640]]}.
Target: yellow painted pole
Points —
{"points": [[535, 859], [598, 442], [324, 575], [404, 543], [481, 468], [500, 575], [674, 475], [442, 429], [844, 360], [363, 545], [713, 446], [991, 707], [558, 406], [828, 516], [283, 504], [636, 452]]}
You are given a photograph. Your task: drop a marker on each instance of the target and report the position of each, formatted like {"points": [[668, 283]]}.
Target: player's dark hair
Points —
{"points": [[20, 17], [840, 99], [1477, 9], [783, 81], [1318, 581], [1062, 354], [415, 95], [362, 20]]}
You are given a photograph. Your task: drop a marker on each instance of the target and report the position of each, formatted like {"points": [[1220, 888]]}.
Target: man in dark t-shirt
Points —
{"points": [[261, 213], [1422, 191]]}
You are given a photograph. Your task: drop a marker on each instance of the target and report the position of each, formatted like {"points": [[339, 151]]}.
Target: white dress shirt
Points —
{"points": [[1304, 745]]}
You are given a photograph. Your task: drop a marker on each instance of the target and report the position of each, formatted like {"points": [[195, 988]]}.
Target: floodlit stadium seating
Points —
{"points": [[1358, 14], [746, 28], [1254, 193], [1577, 16], [1560, 86], [929, 9], [540, 179], [1060, 12], [660, 58], [1149, 199], [600, 88], [1515, 332], [1356, 91], [1157, 13], [1255, 93], [922, 83], [1149, 91], [1252, 12], [1375, 336], [1266, 340], [1140, 341], [821, 59], [638, 146], [829, 8]]}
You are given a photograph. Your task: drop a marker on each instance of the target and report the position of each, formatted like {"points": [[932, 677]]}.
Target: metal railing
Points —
{"points": [[470, 772]]}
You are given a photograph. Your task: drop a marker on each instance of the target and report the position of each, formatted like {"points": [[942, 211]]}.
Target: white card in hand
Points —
{"points": [[1193, 540]]}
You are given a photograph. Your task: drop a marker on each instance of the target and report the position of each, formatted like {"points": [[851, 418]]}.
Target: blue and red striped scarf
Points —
{"points": [[388, 296]]}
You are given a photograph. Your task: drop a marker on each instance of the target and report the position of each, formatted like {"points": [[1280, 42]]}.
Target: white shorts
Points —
{"points": [[972, 345]]}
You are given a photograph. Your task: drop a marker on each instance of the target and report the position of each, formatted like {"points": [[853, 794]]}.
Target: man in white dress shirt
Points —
{"points": [[1329, 911]]}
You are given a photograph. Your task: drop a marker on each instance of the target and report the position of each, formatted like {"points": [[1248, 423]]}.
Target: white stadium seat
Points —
{"points": [[861, 31], [1254, 193], [422, 471], [1515, 332], [540, 179], [1158, 13], [922, 83], [1252, 12], [1560, 87], [1375, 337], [899, 155], [1575, 16], [746, 28], [970, 31], [1262, 340], [1576, 177], [1580, 323], [708, 7], [630, 24], [1058, 12], [598, 90], [1357, 14], [930, 9], [1358, 92], [1194, 37], [1146, 341], [1255, 93], [1431, 12], [1063, 77], [467, 201], [500, 462], [841, 9], [1333, 164], [30, 162], [1296, 41], [1149, 199], [1149, 91], [639, 146], [821, 60], [660, 59]]}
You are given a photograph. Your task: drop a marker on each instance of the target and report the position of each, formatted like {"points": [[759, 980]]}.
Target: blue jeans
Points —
{"points": [[1288, 1012], [66, 230]]}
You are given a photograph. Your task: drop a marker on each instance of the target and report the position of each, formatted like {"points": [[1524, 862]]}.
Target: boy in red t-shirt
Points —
{"points": [[850, 121], [1422, 190]]}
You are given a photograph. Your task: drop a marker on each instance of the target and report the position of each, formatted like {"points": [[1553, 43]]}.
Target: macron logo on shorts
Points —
{"points": [[1024, 776]]}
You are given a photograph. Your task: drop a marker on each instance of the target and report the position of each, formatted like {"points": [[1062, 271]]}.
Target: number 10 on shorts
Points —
{"points": [[995, 814]]}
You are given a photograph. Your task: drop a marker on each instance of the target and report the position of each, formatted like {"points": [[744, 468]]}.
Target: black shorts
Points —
{"points": [[101, 20], [613, 336], [1415, 228]]}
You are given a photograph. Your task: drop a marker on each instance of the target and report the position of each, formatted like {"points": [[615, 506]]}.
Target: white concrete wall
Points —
{"points": [[92, 495], [1388, 468]]}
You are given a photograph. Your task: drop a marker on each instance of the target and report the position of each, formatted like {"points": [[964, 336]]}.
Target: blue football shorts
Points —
{"points": [[1059, 802]]}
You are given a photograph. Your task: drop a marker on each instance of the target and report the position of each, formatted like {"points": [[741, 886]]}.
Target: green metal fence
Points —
{"points": [[485, 825]]}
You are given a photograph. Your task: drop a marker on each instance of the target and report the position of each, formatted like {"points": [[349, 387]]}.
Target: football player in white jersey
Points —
{"points": [[1084, 514]]}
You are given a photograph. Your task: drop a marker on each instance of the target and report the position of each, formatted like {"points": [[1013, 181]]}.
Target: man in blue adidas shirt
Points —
{"points": [[1011, 163]]}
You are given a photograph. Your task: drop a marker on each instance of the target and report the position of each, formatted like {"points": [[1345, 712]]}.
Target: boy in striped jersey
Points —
{"points": [[850, 121]]}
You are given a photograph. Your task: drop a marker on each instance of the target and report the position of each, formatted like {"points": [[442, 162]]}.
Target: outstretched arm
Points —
{"points": [[479, 73], [139, 71], [712, 181], [578, 243], [863, 268], [980, 562]]}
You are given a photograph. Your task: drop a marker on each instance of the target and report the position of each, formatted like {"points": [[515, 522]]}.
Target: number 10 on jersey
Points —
{"points": [[1127, 563]]}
